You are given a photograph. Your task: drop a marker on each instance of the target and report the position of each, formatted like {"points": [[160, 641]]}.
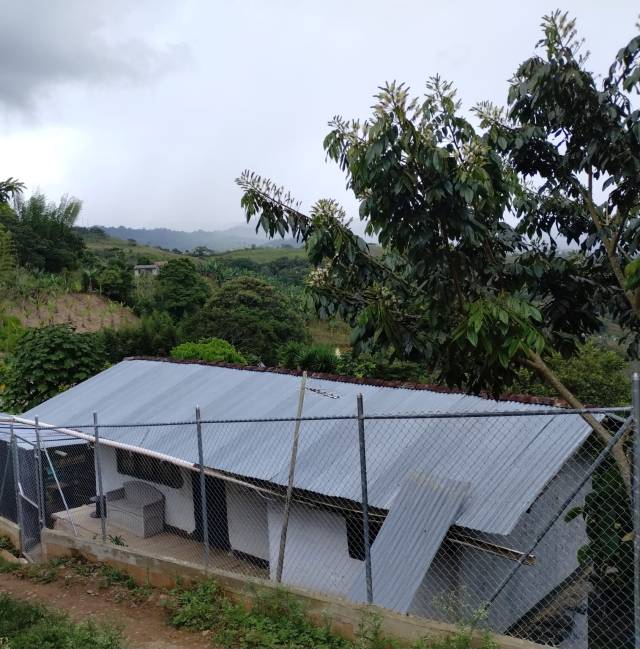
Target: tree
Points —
{"points": [[249, 313], [115, 280], [214, 349], [43, 233], [181, 289], [47, 361], [10, 188], [7, 252], [457, 287]]}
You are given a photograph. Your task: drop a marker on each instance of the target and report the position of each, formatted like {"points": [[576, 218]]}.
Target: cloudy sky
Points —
{"points": [[148, 110]]}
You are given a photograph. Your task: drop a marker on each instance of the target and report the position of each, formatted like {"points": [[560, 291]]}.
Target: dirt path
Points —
{"points": [[142, 625]]}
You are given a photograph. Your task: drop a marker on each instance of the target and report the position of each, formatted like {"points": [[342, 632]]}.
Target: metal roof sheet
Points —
{"points": [[412, 533], [507, 460]]}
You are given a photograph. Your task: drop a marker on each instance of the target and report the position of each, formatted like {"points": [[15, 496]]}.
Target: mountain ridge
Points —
{"points": [[239, 236]]}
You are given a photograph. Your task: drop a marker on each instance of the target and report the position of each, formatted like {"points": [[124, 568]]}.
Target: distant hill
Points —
{"points": [[242, 236]]}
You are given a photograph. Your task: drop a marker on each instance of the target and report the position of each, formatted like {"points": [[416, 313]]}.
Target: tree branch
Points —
{"points": [[537, 364]]}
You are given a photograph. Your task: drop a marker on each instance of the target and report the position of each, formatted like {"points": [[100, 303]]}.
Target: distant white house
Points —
{"points": [[454, 502], [147, 269]]}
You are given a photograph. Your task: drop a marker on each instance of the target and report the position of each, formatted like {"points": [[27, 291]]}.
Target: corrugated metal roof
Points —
{"points": [[411, 535], [507, 460]]}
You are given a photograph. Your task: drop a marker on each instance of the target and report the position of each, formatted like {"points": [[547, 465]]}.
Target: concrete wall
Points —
{"points": [[178, 502], [317, 555], [247, 519]]}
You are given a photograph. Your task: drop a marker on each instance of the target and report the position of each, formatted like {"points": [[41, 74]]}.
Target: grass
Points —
{"points": [[262, 255], [277, 620], [25, 626]]}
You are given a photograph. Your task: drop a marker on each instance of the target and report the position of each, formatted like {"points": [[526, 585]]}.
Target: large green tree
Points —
{"points": [[251, 314], [470, 282], [42, 231], [180, 288]]}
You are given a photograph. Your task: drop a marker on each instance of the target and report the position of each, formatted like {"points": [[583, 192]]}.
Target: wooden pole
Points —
{"points": [[292, 471]]}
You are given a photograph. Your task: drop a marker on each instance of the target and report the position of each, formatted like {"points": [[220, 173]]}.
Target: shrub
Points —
{"points": [[156, 335], [254, 316], [314, 358], [595, 374], [213, 349], [46, 361]]}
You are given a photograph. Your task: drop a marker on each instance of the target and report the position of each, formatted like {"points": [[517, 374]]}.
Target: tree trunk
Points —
{"points": [[536, 363]]}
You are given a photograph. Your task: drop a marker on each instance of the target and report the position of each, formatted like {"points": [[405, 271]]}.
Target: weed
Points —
{"points": [[117, 540], [6, 544], [25, 626]]}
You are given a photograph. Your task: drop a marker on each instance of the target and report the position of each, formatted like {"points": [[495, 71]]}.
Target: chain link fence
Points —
{"points": [[519, 521]]}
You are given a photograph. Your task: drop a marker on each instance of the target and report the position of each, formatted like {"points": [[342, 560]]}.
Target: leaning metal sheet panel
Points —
{"points": [[417, 523]]}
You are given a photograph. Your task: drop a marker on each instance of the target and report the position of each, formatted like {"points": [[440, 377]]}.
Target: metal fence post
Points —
{"points": [[16, 480], [365, 500], [39, 483], [98, 463], [292, 472], [635, 384], [203, 490]]}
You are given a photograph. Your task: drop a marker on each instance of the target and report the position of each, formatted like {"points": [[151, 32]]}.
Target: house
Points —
{"points": [[454, 500], [146, 269]]}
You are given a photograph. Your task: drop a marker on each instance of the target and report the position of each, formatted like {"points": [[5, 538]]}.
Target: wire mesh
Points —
{"points": [[518, 522]]}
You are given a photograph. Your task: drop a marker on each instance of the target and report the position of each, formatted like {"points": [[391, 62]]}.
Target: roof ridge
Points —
{"points": [[341, 378]]}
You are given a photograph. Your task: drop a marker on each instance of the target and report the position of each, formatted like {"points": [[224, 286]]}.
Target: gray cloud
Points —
{"points": [[44, 44], [143, 147]]}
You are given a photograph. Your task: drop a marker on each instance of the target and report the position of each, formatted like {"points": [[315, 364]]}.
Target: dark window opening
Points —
{"points": [[148, 468], [355, 534]]}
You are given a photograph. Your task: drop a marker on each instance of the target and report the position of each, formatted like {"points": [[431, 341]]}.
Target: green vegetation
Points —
{"points": [[277, 620], [596, 375], [181, 289], [251, 314], [6, 544], [46, 361], [42, 232], [25, 626], [264, 255], [213, 349], [314, 358]]}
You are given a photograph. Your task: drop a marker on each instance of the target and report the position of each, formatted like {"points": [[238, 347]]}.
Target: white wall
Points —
{"points": [[178, 502], [247, 518], [317, 555]]}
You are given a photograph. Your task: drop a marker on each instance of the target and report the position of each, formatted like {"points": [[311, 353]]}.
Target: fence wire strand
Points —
{"points": [[515, 521]]}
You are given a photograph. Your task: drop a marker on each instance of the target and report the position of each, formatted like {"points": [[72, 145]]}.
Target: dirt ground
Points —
{"points": [[142, 625]]}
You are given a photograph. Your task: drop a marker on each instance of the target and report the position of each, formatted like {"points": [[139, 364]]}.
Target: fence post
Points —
{"points": [[98, 463], [365, 500], [39, 483], [203, 491], [292, 471], [16, 480], [635, 384]]}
